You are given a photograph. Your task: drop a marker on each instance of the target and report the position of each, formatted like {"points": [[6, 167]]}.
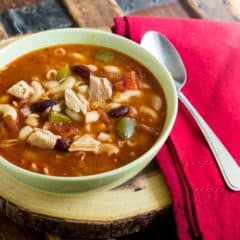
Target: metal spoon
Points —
{"points": [[161, 48]]}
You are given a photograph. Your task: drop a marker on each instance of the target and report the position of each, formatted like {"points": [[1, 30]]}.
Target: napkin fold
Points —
{"points": [[204, 207]]}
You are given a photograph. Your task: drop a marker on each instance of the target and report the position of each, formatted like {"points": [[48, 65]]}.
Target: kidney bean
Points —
{"points": [[81, 70], [62, 144], [119, 112], [41, 106]]}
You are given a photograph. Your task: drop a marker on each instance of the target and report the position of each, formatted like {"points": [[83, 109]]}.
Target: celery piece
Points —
{"points": [[104, 56], [56, 117], [63, 72]]}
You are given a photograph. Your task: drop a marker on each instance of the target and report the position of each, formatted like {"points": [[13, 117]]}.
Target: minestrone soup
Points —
{"points": [[75, 110]]}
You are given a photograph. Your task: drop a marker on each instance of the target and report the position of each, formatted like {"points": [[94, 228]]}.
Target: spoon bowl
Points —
{"points": [[159, 45]]}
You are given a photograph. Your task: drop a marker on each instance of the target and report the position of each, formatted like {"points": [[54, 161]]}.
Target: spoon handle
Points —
{"points": [[228, 166]]}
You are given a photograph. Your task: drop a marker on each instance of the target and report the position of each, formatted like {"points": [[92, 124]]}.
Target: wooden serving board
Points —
{"points": [[90, 215]]}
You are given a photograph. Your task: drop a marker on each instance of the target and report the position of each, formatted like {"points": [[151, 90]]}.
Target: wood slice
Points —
{"points": [[10, 231], [217, 9], [91, 215]]}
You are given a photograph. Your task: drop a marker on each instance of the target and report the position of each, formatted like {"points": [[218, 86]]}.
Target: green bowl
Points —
{"points": [[92, 37]]}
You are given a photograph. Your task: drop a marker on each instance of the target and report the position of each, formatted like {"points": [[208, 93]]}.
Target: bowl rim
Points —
{"points": [[154, 148]]}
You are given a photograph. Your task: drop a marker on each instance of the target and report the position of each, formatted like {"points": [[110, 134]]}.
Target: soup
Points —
{"points": [[74, 110]]}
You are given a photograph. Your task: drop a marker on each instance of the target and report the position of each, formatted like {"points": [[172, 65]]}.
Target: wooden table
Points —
{"points": [[98, 14]]}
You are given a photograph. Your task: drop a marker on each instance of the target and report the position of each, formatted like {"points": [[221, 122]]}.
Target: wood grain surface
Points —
{"points": [[93, 13], [6, 4], [3, 33], [218, 9], [163, 10]]}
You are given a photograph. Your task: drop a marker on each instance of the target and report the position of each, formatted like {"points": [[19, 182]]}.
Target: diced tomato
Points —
{"points": [[67, 130], [103, 116], [119, 86], [146, 129], [56, 128], [12, 124], [114, 77], [22, 103], [72, 132], [118, 82], [130, 80]]}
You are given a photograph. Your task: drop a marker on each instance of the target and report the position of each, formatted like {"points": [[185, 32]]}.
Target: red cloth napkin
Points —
{"points": [[203, 206]]}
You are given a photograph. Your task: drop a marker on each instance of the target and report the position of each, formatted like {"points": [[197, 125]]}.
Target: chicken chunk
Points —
{"points": [[85, 143], [100, 89], [20, 90], [67, 83], [43, 139], [74, 102], [109, 149], [25, 132]]}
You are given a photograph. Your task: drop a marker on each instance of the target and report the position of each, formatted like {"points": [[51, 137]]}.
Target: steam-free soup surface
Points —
{"points": [[75, 110]]}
